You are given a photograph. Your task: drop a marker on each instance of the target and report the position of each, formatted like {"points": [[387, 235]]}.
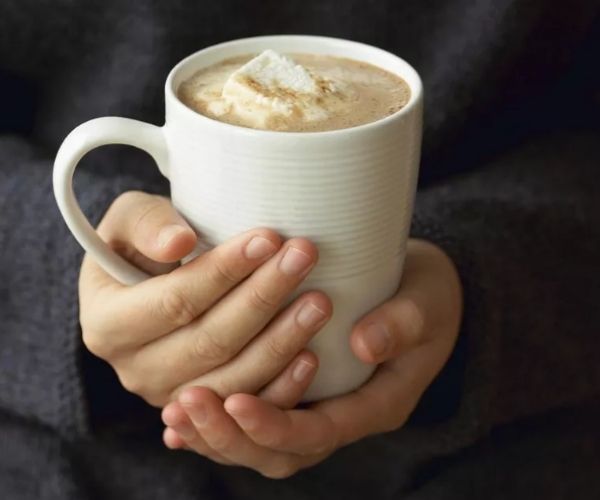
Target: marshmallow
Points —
{"points": [[272, 86], [274, 72]]}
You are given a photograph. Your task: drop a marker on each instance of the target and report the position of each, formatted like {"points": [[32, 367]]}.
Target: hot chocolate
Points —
{"points": [[294, 93]]}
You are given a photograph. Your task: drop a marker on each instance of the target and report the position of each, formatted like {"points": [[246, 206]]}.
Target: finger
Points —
{"points": [[286, 391], [411, 316], [164, 303], [224, 436], [386, 401], [389, 330], [302, 432], [147, 231], [146, 226], [265, 356], [222, 332], [173, 440], [181, 433]]}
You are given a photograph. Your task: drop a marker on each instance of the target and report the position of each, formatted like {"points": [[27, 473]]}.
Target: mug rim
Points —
{"points": [[416, 89]]}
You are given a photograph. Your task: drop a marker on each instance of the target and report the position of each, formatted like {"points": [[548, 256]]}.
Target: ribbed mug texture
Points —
{"points": [[349, 191]]}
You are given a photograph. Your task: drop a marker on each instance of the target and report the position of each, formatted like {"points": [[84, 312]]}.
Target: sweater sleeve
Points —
{"points": [[41, 361], [524, 234]]}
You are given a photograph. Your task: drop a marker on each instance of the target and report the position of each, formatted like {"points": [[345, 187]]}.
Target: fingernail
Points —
{"points": [[259, 248], [294, 261], [309, 315], [169, 232], [377, 339], [302, 370], [198, 413]]}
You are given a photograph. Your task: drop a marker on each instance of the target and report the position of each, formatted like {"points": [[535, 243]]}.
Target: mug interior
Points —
{"points": [[291, 44]]}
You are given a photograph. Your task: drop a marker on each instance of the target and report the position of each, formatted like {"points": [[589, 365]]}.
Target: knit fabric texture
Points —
{"points": [[508, 188]]}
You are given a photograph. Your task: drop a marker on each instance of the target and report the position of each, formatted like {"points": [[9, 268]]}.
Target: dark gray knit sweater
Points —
{"points": [[509, 188]]}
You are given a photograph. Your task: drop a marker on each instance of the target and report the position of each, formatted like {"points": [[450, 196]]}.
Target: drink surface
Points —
{"points": [[294, 93]]}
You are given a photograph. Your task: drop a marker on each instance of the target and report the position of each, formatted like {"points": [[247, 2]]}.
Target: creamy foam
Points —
{"points": [[297, 93]]}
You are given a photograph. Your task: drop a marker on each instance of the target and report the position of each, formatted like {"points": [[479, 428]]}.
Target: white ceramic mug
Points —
{"points": [[350, 191]]}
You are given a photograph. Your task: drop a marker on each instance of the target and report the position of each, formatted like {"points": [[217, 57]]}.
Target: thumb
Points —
{"points": [[389, 330], [147, 230], [424, 300]]}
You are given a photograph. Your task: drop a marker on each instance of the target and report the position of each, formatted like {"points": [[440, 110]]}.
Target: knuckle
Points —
{"points": [[98, 345], [176, 307], [261, 301], [206, 347], [132, 208], [220, 272], [151, 204], [277, 349]]}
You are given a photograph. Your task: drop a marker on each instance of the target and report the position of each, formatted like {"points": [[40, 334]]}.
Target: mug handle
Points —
{"points": [[84, 138]]}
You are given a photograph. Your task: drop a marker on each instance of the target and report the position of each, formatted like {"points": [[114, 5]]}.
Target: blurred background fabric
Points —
{"points": [[508, 187]]}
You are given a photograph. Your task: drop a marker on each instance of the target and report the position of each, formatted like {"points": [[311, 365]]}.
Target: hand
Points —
{"points": [[210, 322], [412, 336]]}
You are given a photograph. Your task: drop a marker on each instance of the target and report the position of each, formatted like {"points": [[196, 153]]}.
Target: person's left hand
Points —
{"points": [[411, 335]]}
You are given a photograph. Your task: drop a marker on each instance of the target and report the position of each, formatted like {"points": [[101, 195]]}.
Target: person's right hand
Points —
{"points": [[212, 322]]}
